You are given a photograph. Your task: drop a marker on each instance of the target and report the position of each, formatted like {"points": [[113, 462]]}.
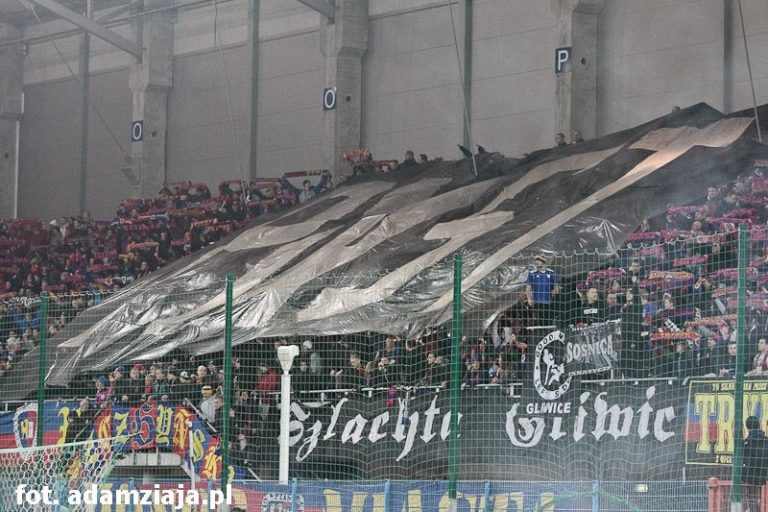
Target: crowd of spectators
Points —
{"points": [[79, 260], [672, 286]]}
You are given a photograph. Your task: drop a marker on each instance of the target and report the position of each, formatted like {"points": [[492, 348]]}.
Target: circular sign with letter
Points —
{"points": [[137, 131], [329, 98]]}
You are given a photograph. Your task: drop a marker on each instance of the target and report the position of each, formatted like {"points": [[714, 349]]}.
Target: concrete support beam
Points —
{"points": [[324, 7], [253, 51], [344, 44], [85, 86], [150, 81], [728, 54], [91, 26], [576, 89], [11, 111], [463, 19]]}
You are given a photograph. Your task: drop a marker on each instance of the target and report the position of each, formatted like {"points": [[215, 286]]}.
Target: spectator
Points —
{"points": [[269, 381], [760, 361], [500, 372], [219, 411], [541, 288], [649, 311], [408, 162], [423, 159], [710, 358], [103, 392], [755, 464], [681, 363], [671, 316], [412, 361], [243, 454], [326, 182], [391, 350], [149, 384], [576, 137], [302, 380], [384, 374], [80, 422], [632, 354], [714, 202], [434, 373], [315, 360], [726, 368], [560, 140], [634, 272], [307, 192], [131, 389], [172, 381], [612, 307], [160, 387], [207, 405], [352, 377], [589, 310], [203, 378], [473, 376], [186, 389]]}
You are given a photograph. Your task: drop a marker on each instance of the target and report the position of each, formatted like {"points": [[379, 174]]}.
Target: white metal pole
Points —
{"points": [[285, 406]]}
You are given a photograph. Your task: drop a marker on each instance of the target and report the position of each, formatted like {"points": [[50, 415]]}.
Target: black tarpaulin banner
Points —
{"points": [[615, 432], [376, 253]]}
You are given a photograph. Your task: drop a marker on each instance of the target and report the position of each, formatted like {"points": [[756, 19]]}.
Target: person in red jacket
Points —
{"points": [[269, 382]]}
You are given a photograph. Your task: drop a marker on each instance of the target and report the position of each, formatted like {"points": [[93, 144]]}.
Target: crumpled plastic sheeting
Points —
{"points": [[343, 241]]}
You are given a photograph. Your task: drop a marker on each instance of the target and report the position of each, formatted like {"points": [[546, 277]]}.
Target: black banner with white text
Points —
{"points": [[615, 431]]}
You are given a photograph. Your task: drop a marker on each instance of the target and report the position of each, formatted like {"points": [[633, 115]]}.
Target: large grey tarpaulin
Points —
{"points": [[376, 253]]}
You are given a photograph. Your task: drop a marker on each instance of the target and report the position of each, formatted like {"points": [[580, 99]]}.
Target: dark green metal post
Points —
{"points": [[225, 434], [741, 351], [455, 379], [42, 368]]}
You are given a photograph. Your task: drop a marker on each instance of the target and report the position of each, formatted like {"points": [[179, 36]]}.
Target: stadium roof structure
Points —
{"points": [[376, 253]]}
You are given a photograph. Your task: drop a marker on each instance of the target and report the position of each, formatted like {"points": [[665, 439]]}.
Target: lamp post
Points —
{"points": [[286, 356]]}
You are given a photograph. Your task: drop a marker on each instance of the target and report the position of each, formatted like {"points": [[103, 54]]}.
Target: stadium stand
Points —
{"points": [[672, 284], [79, 260]]}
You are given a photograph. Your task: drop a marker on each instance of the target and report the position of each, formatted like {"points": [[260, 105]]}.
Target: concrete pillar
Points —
{"points": [[463, 20], [11, 110], [576, 89], [150, 81], [728, 55], [253, 51], [344, 43], [85, 86]]}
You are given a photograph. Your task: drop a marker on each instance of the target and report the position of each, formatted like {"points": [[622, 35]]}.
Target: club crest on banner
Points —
{"points": [[25, 427], [549, 377]]}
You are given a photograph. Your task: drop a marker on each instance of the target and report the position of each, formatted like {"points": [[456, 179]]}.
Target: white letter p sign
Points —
{"points": [[562, 59]]}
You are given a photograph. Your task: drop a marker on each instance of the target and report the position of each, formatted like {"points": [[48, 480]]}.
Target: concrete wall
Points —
{"points": [[513, 81], [106, 185], [290, 119], [49, 166], [756, 27], [201, 146], [411, 89], [657, 54], [651, 55]]}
